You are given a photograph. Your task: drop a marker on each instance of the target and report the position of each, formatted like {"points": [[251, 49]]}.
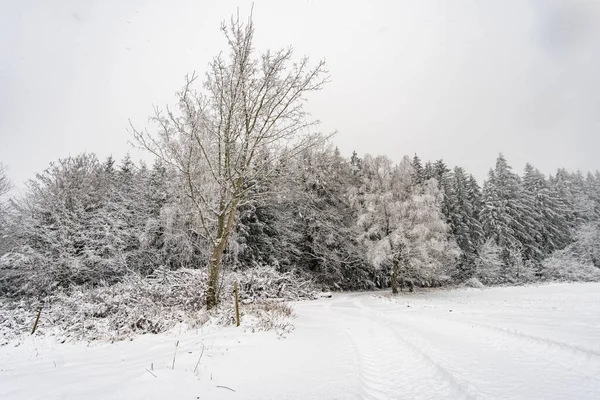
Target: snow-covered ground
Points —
{"points": [[503, 343]]}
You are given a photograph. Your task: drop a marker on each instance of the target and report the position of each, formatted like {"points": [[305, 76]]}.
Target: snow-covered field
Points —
{"points": [[502, 343]]}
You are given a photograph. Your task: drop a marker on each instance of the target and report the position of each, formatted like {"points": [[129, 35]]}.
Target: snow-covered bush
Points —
{"points": [[578, 262], [156, 304], [474, 283], [26, 272], [269, 315], [265, 282], [131, 306], [563, 266]]}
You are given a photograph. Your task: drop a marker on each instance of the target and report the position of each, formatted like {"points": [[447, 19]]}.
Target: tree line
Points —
{"points": [[348, 223]]}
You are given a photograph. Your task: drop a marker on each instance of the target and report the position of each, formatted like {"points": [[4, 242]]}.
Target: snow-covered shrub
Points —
{"points": [[156, 304], [25, 273], [563, 265], [271, 316], [474, 283], [16, 317], [578, 262], [265, 282], [135, 305]]}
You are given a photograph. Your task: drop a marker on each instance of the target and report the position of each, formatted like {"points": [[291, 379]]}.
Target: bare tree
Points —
{"points": [[248, 115]]}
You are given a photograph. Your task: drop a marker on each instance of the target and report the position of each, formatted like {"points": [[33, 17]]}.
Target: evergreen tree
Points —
{"points": [[419, 171], [476, 202], [443, 176], [428, 171], [507, 217], [355, 163], [592, 190], [571, 191], [440, 170], [465, 222], [157, 194], [552, 225], [326, 221]]}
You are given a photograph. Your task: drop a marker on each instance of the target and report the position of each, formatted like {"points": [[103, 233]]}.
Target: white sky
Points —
{"points": [[461, 80]]}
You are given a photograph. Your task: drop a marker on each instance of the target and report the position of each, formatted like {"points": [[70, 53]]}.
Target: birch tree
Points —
{"points": [[217, 137], [402, 224]]}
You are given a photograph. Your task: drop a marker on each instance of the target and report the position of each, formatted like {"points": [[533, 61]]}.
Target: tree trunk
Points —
{"points": [[395, 277], [212, 295], [213, 276]]}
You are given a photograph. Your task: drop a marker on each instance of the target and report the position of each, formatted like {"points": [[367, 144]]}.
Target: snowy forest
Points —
{"points": [[347, 223], [239, 185]]}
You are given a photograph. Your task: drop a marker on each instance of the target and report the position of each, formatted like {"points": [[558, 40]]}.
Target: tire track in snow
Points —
{"points": [[374, 379], [381, 371], [463, 387], [550, 350], [392, 367], [509, 351], [589, 353]]}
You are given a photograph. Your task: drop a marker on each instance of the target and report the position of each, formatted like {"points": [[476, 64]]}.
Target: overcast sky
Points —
{"points": [[459, 80]]}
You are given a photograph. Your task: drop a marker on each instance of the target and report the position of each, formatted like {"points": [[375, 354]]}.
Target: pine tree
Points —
{"points": [[571, 190], [465, 221], [591, 189], [355, 163], [507, 217], [428, 171], [328, 241], [419, 172], [551, 213], [310, 225], [476, 203], [109, 166], [443, 176]]}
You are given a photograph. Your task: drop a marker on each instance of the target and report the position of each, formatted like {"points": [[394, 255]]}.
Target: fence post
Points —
{"points": [[37, 320]]}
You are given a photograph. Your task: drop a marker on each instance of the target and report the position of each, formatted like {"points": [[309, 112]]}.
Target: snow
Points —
{"points": [[534, 342]]}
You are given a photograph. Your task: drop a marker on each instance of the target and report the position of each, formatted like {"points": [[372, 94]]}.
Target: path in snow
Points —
{"points": [[502, 343]]}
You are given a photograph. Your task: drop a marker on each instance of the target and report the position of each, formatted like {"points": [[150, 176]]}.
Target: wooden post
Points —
{"points": [[237, 304], [36, 321]]}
